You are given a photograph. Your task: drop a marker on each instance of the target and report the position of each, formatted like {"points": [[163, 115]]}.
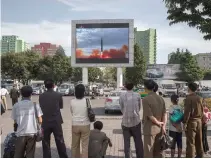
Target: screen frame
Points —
{"points": [[103, 21]]}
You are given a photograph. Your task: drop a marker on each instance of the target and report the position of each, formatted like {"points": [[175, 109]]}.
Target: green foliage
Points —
{"points": [[95, 74], [207, 75], [190, 71], [109, 75], [28, 65], [57, 67], [137, 73], [196, 13], [32, 63], [60, 51], [77, 74], [15, 66]]}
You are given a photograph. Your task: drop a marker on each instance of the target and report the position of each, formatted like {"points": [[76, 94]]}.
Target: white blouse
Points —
{"points": [[79, 112]]}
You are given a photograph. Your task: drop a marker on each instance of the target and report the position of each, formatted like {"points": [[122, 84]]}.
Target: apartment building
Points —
{"points": [[45, 49], [12, 43], [204, 60], [147, 41]]}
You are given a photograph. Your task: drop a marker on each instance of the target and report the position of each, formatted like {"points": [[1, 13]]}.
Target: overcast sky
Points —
{"points": [[50, 21]]}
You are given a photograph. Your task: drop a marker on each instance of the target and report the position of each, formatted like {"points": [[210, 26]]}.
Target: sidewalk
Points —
{"points": [[112, 127]]}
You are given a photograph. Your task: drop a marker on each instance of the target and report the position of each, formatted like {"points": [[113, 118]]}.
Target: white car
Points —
{"points": [[106, 92], [112, 101], [37, 91]]}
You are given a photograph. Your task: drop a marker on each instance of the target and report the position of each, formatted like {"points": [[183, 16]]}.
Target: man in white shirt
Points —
{"points": [[4, 92], [26, 115]]}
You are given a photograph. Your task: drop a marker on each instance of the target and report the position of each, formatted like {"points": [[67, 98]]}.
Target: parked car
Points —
{"points": [[106, 91], [66, 89], [183, 92], [112, 101], [37, 91], [141, 91]]}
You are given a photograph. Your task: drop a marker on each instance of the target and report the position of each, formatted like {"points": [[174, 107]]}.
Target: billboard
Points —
{"points": [[102, 43], [162, 71]]}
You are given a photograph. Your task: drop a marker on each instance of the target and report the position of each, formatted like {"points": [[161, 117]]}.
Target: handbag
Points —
{"points": [[176, 116], [166, 142], [91, 114], [39, 135]]}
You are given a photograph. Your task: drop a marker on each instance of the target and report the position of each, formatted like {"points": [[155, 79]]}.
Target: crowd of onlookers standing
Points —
{"points": [[34, 122]]}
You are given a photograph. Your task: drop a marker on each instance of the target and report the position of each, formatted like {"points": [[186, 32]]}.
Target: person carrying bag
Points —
{"points": [[39, 135], [82, 116], [90, 111]]}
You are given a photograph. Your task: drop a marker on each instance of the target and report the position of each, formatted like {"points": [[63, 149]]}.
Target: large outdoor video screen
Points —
{"points": [[102, 43]]}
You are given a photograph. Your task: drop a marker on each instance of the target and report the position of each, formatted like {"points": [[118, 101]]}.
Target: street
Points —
{"points": [[112, 127]]}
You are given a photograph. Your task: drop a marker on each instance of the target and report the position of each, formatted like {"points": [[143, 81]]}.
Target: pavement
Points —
{"points": [[112, 127]]}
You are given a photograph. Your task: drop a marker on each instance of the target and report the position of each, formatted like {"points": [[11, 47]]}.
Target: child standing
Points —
{"points": [[98, 141], [175, 129]]}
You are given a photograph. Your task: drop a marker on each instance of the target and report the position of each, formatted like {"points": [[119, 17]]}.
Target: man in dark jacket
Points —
{"points": [[14, 95], [51, 102], [193, 115]]}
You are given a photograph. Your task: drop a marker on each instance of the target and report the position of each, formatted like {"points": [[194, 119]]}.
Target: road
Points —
{"points": [[97, 104], [112, 127]]}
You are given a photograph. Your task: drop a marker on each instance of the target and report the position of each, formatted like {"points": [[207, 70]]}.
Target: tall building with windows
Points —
{"points": [[204, 60], [147, 41], [12, 43], [45, 49]]}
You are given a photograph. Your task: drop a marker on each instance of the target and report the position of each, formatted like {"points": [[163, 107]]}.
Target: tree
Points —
{"points": [[14, 65], [175, 57], [207, 75], [45, 70], [190, 71], [94, 74], [60, 51], [196, 13], [32, 64], [109, 75], [137, 73], [57, 67], [77, 74]]}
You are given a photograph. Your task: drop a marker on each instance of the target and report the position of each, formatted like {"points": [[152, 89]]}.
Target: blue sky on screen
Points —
{"points": [[50, 21], [113, 38]]}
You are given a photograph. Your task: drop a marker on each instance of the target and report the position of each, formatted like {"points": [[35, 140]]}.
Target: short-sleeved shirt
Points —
{"points": [[193, 108], [4, 91], [171, 110], [153, 105], [23, 113], [78, 108]]}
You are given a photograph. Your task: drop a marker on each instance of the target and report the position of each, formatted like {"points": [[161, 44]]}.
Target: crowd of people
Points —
{"points": [[33, 120]]}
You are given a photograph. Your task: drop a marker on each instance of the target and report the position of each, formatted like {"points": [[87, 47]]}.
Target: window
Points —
{"points": [[204, 58]]}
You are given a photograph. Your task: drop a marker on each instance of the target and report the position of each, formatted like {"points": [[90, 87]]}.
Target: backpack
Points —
{"points": [[9, 146]]}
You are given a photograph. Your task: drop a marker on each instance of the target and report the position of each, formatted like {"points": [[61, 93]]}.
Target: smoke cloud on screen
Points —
{"points": [[112, 41]]}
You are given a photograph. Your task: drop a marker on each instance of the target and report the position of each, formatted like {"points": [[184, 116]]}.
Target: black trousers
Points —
{"points": [[14, 100], [25, 147], [204, 138], [135, 132], [56, 129]]}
